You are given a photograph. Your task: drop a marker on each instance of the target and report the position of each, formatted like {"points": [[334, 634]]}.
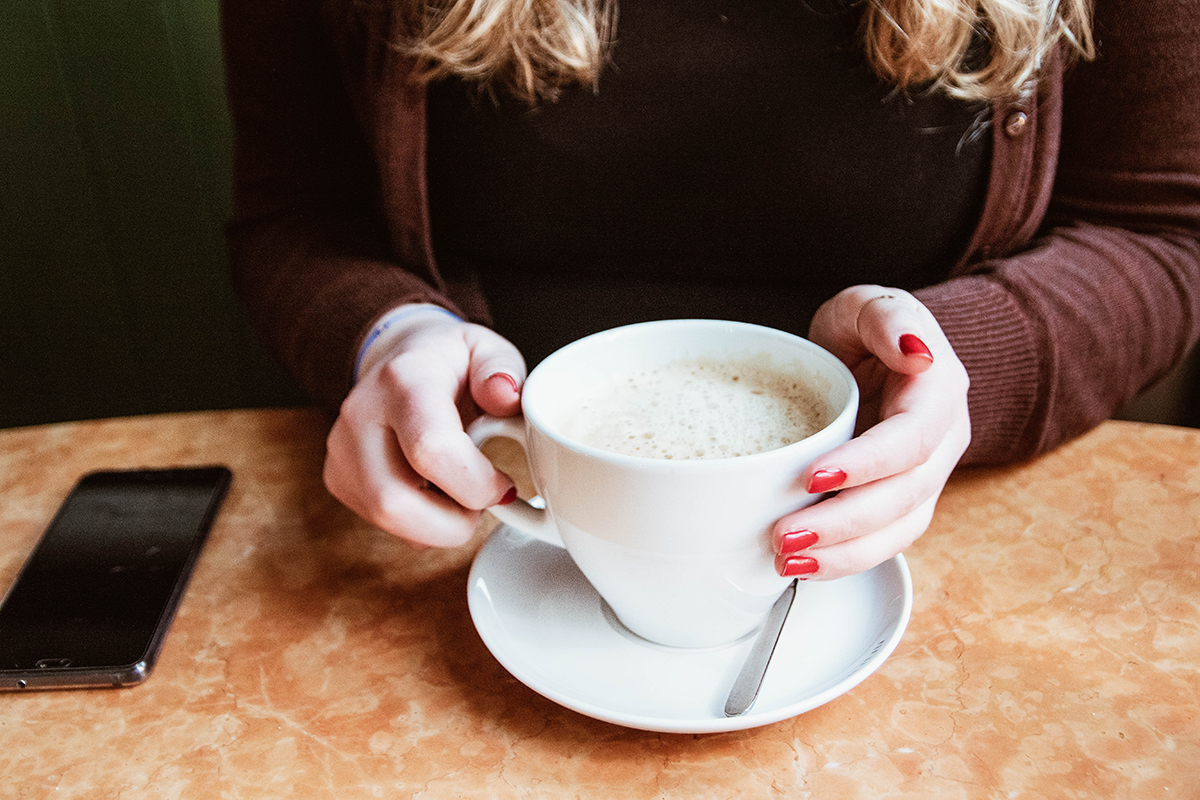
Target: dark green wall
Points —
{"points": [[114, 184]]}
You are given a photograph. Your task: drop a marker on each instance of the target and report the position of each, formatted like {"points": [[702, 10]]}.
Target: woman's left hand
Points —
{"points": [[914, 411]]}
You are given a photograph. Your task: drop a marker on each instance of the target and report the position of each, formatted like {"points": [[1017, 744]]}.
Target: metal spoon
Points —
{"points": [[749, 680]]}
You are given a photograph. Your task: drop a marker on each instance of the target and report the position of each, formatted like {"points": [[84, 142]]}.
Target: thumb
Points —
{"points": [[496, 373], [873, 321], [896, 328]]}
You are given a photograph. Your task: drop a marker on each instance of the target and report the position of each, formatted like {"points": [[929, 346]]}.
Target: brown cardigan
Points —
{"points": [[1080, 287]]}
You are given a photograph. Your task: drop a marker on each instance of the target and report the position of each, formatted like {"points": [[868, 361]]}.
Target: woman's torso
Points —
{"points": [[738, 161]]}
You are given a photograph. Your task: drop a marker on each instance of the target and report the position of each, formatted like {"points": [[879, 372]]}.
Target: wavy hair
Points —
{"points": [[970, 49]]}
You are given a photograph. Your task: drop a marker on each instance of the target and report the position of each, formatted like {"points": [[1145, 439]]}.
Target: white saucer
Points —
{"points": [[546, 625]]}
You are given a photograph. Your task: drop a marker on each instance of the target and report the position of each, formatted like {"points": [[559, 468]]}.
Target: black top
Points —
{"points": [[739, 161]]}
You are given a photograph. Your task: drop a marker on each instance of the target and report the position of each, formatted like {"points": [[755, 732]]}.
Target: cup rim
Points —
{"points": [[850, 407]]}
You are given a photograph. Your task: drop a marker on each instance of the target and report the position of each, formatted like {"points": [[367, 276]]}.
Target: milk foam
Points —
{"points": [[698, 409]]}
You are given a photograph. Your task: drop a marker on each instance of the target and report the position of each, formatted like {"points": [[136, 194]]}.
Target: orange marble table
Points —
{"points": [[1053, 649]]}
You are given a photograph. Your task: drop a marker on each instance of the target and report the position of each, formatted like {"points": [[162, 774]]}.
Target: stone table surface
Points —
{"points": [[1053, 649]]}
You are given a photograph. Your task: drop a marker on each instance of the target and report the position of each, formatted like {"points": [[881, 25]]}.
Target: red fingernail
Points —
{"points": [[509, 497], [796, 566], [911, 345], [825, 480], [792, 541], [512, 382]]}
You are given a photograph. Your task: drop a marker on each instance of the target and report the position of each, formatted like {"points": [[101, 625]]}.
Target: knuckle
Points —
{"points": [[395, 376], [390, 510], [873, 458], [926, 443], [427, 451], [911, 496], [432, 454], [399, 510]]}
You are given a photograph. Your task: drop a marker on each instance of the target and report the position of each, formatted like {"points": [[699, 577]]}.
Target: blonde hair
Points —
{"points": [[534, 48], [910, 43]]}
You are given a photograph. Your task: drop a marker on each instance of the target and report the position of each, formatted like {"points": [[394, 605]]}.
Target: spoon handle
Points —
{"points": [[749, 680]]}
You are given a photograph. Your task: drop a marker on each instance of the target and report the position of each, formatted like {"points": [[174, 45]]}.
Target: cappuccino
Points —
{"points": [[698, 409]]}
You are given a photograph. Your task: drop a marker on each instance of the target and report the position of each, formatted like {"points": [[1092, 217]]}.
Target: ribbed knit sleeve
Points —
{"points": [[1106, 298], [984, 322], [312, 250]]}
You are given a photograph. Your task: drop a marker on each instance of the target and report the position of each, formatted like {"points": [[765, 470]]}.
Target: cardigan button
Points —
{"points": [[1015, 124]]}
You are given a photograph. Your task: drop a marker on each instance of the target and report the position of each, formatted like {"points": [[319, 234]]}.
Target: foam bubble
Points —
{"points": [[698, 409]]}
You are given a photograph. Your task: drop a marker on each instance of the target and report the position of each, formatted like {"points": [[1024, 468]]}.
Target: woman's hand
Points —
{"points": [[914, 411], [398, 455]]}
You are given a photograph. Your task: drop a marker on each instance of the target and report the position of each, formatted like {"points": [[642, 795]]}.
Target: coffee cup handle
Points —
{"points": [[519, 514]]}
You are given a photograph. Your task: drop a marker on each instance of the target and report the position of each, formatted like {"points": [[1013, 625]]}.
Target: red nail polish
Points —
{"points": [[507, 378], [825, 480], [794, 541], [911, 345], [796, 566], [509, 497]]}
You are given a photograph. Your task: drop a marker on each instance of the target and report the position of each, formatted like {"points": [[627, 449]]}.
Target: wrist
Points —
{"points": [[392, 327]]}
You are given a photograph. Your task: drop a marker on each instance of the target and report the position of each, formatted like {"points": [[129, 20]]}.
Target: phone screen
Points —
{"points": [[92, 603]]}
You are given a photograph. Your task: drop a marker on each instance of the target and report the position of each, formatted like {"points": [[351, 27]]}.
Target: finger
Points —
{"points": [[496, 374], [367, 473], [894, 328], [429, 431], [876, 321], [914, 426], [916, 412], [864, 509], [860, 553]]}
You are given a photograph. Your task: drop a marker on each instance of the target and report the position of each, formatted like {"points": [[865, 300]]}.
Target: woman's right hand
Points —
{"points": [[398, 454]]}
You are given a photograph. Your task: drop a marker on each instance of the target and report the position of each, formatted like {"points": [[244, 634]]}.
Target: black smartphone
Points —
{"points": [[93, 602]]}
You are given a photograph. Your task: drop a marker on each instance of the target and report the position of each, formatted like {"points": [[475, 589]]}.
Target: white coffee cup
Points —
{"points": [[679, 549]]}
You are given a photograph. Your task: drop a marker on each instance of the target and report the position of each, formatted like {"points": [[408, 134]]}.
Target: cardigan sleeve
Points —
{"points": [[1106, 298], [309, 247]]}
